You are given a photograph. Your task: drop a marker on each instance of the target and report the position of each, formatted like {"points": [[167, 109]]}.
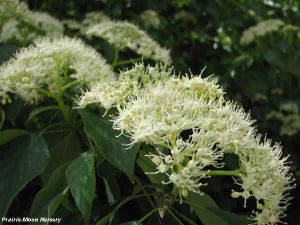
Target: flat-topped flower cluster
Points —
{"points": [[157, 109], [260, 29], [127, 35], [49, 64], [19, 24]]}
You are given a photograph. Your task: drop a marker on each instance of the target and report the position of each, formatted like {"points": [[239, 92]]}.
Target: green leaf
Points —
{"points": [[232, 218], [81, 180], [11, 134], [20, 161], [109, 175], [202, 200], [113, 148], [62, 148], [275, 57], [209, 213], [39, 110], [104, 220], [209, 217], [200, 206], [49, 197], [55, 203], [13, 109], [136, 222]]}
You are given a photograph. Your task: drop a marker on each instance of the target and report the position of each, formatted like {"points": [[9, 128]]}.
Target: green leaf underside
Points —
{"points": [[20, 161], [81, 180], [113, 148]]}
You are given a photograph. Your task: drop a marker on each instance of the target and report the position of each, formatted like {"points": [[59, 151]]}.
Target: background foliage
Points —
{"points": [[264, 77]]}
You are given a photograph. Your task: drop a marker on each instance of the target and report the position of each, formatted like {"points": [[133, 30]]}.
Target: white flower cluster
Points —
{"points": [[44, 24], [129, 83], [90, 19], [259, 30], [150, 19], [266, 177], [160, 112], [93, 18], [126, 35], [13, 9], [289, 117], [48, 63]]}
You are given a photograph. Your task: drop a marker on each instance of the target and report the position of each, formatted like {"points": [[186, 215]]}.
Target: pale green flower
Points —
{"points": [[266, 177], [89, 20], [49, 62], [126, 35], [129, 83], [44, 24], [161, 112], [72, 24], [259, 30], [150, 18], [14, 9], [289, 117], [93, 18]]}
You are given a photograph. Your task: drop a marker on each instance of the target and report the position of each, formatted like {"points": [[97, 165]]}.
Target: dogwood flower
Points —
{"points": [[126, 35], [174, 106], [45, 24], [14, 9], [259, 30], [160, 114], [115, 93], [48, 63], [266, 177], [93, 18], [150, 19]]}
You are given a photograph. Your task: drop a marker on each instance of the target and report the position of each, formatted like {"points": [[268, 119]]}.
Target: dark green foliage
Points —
{"points": [[21, 161], [81, 180], [113, 149]]}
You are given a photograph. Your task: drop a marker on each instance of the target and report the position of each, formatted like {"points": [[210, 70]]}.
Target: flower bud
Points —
{"points": [[184, 192]]}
